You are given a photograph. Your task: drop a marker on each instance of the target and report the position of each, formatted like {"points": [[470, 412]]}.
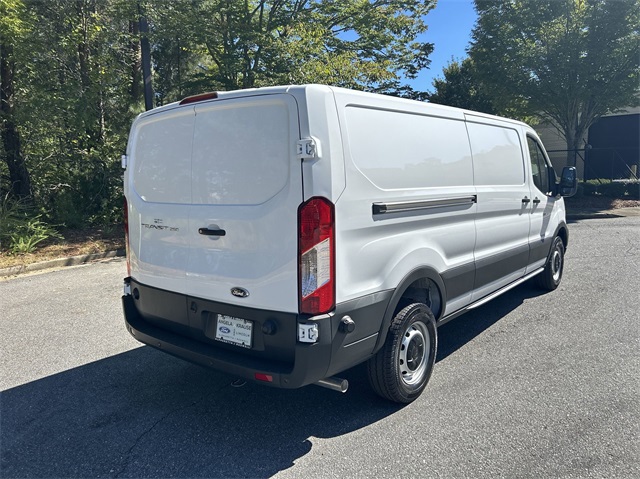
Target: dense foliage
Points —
{"points": [[461, 88], [72, 77], [67, 103], [228, 45]]}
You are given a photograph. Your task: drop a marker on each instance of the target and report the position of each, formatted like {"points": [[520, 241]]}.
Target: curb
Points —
{"points": [[60, 262], [589, 216]]}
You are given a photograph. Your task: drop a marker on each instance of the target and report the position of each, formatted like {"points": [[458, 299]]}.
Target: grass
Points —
{"points": [[71, 243]]}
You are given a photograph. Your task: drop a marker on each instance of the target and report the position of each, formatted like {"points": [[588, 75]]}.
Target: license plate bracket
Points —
{"points": [[236, 331]]}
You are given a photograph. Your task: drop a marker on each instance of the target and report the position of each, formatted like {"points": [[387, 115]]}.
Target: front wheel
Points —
{"points": [[402, 368], [550, 278]]}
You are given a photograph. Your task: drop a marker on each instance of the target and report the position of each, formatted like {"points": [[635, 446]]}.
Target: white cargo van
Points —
{"points": [[286, 234]]}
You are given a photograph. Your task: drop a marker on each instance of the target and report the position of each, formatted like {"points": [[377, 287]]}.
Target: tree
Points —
{"points": [[72, 103], [12, 28], [245, 44], [461, 88], [571, 61]]}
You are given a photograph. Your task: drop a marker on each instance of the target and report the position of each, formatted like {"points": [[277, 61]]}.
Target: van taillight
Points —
{"points": [[126, 235], [316, 256]]}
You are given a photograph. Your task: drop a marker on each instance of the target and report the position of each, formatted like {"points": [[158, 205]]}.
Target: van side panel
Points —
{"points": [[323, 175], [401, 155], [502, 221]]}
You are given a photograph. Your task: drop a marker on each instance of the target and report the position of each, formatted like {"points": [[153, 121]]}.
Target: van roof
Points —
{"points": [[304, 90]]}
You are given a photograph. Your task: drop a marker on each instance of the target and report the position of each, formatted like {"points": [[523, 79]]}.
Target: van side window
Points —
{"points": [[497, 155], [539, 168], [425, 150]]}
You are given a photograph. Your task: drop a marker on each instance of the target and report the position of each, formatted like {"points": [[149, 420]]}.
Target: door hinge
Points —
{"points": [[308, 148], [124, 159]]}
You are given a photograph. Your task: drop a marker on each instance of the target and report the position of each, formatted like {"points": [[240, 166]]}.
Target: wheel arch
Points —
{"points": [[422, 284], [563, 232]]}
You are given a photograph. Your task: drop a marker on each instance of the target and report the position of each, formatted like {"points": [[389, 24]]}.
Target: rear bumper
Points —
{"points": [[277, 359]]}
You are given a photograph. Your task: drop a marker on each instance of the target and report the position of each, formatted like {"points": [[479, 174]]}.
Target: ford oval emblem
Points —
{"points": [[225, 330], [239, 292]]}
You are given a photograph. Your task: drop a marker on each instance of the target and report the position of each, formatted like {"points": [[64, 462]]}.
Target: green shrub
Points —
{"points": [[633, 189], [624, 189], [21, 230], [28, 234], [616, 190], [588, 188]]}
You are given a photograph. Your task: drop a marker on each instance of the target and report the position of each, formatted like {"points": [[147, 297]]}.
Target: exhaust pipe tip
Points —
{"points": [[335, 384]]}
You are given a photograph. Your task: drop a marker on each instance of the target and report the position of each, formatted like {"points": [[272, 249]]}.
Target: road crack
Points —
{"points": [[146, 432]]}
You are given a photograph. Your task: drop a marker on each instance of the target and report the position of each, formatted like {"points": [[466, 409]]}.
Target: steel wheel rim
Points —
{"points": [[556, 265], [414, 353]]}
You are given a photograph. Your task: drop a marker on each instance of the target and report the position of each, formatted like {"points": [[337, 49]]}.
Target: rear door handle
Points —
{"points": [[209, 232], [526, 200]]}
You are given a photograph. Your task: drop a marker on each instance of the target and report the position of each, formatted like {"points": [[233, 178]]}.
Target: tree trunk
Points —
{"points": [[136, 64], [145, 48], [571, 154], [20, 182], [89, 107], [84, 52]]}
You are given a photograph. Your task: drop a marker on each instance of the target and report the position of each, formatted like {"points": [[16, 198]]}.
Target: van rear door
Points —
{"points": [[246, 186], [158, 192]]}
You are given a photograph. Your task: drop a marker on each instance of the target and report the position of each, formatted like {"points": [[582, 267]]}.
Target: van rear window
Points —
{"points": [[233, 152], [162, 158], [241, 151]]}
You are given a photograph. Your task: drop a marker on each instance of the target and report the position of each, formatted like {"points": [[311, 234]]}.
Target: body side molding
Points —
{"points": [[417, 205]]}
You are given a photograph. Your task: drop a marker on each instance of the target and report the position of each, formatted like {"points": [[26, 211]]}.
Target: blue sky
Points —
{"points": [[450, 24]]}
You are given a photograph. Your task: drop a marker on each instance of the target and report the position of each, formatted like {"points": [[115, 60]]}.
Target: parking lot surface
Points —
{"points": [[529, 385]]}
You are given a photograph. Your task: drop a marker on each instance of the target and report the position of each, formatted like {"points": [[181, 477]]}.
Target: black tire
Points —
{"points": [[400, 371], [550, 278]]}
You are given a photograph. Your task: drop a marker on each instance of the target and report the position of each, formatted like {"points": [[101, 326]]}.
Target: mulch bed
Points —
{"points": [[74, 243], [600, 203]]}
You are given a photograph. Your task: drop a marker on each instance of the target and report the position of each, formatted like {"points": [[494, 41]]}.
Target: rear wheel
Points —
{"points": [[402, 368], [550, 278]]}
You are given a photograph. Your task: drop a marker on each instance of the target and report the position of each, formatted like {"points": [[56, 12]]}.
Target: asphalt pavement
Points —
{"points": [[529, 385]]}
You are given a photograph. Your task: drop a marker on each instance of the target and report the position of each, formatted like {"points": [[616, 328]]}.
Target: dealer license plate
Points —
{"points": [[232, 330]]}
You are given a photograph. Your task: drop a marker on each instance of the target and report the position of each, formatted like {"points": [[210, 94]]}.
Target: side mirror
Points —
{"points": [[568, 185]]}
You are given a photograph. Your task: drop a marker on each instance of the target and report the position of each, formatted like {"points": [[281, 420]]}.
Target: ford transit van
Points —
{"points": [[285, 234]]}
